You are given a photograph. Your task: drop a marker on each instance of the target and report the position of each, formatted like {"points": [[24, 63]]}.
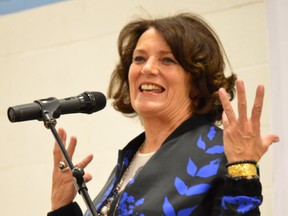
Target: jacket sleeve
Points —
{"points": [[71, 209], [241, 197]]}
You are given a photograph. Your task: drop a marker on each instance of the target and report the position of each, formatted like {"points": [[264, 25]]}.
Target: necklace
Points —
{"points": [[105, 209]]}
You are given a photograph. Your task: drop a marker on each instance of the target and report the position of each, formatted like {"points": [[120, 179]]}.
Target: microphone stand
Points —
{"points": [[77, 172]]}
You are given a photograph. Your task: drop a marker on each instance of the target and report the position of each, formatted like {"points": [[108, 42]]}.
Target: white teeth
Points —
{"points": [[150, 87]]}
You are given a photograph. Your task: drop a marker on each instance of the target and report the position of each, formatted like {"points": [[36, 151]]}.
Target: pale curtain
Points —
{"points": [[277, 11]]}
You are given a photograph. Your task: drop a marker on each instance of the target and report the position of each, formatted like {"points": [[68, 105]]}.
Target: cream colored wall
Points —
{"points": [[65, 49]]}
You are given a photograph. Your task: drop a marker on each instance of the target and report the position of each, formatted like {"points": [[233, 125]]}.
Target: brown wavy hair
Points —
{"points": [[198, 50]]}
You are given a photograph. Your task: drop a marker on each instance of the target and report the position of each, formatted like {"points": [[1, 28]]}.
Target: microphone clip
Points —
{"points": [[50, 109]]}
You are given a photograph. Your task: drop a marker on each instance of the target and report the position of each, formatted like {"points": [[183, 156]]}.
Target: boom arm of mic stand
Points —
{"points": [[77, 172]]}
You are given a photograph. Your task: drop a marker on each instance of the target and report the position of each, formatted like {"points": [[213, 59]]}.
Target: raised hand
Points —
{"points": [[242, 135], [63, 189]]}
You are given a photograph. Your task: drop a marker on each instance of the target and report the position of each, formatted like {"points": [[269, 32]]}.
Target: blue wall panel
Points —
{"points": [[12, 6]]}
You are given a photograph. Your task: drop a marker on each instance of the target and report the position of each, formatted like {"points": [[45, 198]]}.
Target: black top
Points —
{"points": [[186, 176]]}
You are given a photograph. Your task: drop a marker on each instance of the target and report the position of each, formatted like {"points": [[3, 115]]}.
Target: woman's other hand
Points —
{"points": [[63, 189], [242, 135]]}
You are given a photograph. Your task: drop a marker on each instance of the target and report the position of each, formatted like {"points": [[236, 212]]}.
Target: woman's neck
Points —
{"points": [[157, 131]]}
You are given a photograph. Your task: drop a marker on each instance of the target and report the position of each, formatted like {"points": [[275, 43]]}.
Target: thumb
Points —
{"points": [[87, 177], [270, 139]]}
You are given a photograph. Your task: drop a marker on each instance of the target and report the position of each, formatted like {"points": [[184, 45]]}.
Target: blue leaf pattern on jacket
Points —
{"points": [[211, 134], [185, 212], [191, 168], [126, 161], [183, 189], [205, 171], [127, 204], [169, 210], [104, 198], [245, 203], [198, 189], [217, 149], [200, 143], [210, 169]]}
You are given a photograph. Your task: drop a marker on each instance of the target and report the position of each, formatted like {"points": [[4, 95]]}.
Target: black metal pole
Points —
{"points": [[77, 172]]}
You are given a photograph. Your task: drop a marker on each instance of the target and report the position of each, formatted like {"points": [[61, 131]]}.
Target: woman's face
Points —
{"points": [[157, 82]]}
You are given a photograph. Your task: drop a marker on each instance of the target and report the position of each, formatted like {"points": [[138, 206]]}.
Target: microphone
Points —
{"points": [[87, 102]]}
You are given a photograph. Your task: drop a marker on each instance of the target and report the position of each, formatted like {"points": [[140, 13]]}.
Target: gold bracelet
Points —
{"points": [[242, 170]]}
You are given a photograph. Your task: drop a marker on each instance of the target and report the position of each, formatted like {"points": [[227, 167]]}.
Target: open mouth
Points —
{"points": [[151, 88]]}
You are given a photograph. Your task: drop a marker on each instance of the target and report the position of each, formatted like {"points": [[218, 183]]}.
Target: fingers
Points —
{"points": [[87, 177], [258, 104], [63, 188], [72, 146], [242, 102], [56, 151], [224, 120], [242, 137], [270, 139], [228, 109], [58, 156], [70, 150], [85, 161]]}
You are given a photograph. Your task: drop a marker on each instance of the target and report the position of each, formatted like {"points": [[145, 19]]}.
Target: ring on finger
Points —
{"points": [[62, 166]]}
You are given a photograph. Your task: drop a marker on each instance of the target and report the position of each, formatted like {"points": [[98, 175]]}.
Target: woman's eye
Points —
{"points": [[168, 60], [138, 59]]}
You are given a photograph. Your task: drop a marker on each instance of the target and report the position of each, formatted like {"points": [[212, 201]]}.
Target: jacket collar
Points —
{"points": [[191, 123]]}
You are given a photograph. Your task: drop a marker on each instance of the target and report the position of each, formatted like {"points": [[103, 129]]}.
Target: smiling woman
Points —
{"points": [[171, 75], [12, 6], [159, 86], [190, 45]]}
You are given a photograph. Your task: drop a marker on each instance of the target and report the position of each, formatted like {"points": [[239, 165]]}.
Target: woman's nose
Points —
{"points": [[150, 67]]}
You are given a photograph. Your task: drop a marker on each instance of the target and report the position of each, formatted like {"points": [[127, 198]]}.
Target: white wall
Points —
{"points": [[67, 48], [278, 47]]}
